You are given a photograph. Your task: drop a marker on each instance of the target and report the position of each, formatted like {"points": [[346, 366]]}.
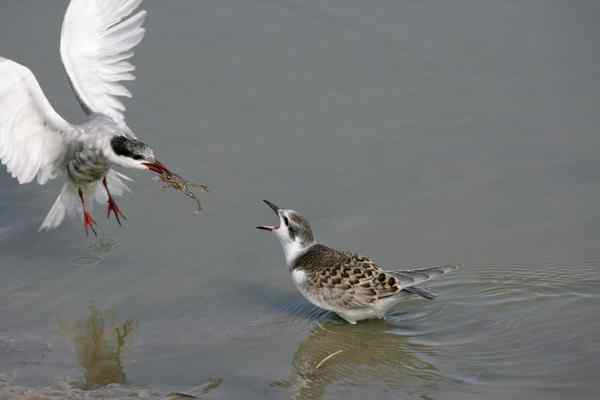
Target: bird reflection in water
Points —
{"points": [[100, 340], [367, 353]]}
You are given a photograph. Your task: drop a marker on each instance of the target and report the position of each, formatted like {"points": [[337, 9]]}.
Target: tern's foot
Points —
{"points": [[114, 208], [89, 223]]}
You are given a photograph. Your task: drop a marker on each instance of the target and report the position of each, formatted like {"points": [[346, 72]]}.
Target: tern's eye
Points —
{"points": [[286, 221], [137, 157]]}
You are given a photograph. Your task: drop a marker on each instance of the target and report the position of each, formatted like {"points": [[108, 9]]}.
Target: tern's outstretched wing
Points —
{"points": [[32, 134], [98, 36]]}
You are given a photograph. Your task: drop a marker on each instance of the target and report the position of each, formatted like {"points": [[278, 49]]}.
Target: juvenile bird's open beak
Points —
{"points": [[276, 210], [269, 228], [273, 206], [157, 167]]}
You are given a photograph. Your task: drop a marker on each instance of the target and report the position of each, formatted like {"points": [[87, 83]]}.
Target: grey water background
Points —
{"points": [[415, 132]]}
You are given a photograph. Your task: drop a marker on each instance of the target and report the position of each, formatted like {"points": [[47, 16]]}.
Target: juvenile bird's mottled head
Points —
{"points": [[294, 232]]}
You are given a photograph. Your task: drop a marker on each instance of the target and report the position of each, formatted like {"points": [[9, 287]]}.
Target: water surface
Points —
{"points": [[417, 133]]}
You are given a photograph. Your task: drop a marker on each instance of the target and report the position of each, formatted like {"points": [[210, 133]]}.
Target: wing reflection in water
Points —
{"points": [[367, 353], [99, 340]]}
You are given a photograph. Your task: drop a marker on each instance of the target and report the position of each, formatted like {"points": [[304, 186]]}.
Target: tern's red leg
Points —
{"points": [[112, 206], [88, 221]]}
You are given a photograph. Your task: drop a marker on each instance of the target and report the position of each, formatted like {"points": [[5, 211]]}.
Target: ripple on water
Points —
{"points": [[492, 329], [516, 326], [96, 252]]}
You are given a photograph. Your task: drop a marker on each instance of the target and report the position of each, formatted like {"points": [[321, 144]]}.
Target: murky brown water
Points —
{"points": [[418, 133]]}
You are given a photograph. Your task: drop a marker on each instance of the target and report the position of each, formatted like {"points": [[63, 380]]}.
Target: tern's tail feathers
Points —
{"points": [[68, 203], [115, 183]]}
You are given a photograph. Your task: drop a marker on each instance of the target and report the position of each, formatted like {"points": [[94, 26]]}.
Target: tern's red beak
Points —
{"points": [[157, 167]]}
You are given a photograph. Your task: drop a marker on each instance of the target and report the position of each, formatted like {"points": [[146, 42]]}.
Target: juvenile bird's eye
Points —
{"points": [[137, 157], [286, 221]]}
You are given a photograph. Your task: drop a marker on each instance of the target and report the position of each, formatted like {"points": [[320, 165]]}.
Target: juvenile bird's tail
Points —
{"points": [[408, 280], [68, 204], [425, 293]]}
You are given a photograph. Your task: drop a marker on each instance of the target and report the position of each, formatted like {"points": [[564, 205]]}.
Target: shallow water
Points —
{"points": [[418, 133]]}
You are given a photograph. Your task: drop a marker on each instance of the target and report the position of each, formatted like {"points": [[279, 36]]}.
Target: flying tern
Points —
{"points": [[97, 39]]}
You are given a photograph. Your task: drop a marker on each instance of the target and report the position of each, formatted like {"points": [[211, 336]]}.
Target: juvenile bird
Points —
{"points": [[352, 286]]}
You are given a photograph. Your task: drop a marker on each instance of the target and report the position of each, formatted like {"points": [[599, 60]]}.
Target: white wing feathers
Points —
{"points": [[32, 134], [97, 38]]}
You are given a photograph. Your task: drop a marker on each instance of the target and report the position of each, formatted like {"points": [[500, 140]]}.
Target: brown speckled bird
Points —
{"points": [[352, 286]]}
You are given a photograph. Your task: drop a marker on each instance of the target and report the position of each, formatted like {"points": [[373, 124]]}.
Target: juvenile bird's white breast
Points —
{"points": [[293, 250], [299, 277]]}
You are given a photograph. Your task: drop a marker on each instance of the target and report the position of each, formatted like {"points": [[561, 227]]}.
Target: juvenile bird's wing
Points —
{"points": [[360, 282], [98, 36], [32, 134], [349, 283]]}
